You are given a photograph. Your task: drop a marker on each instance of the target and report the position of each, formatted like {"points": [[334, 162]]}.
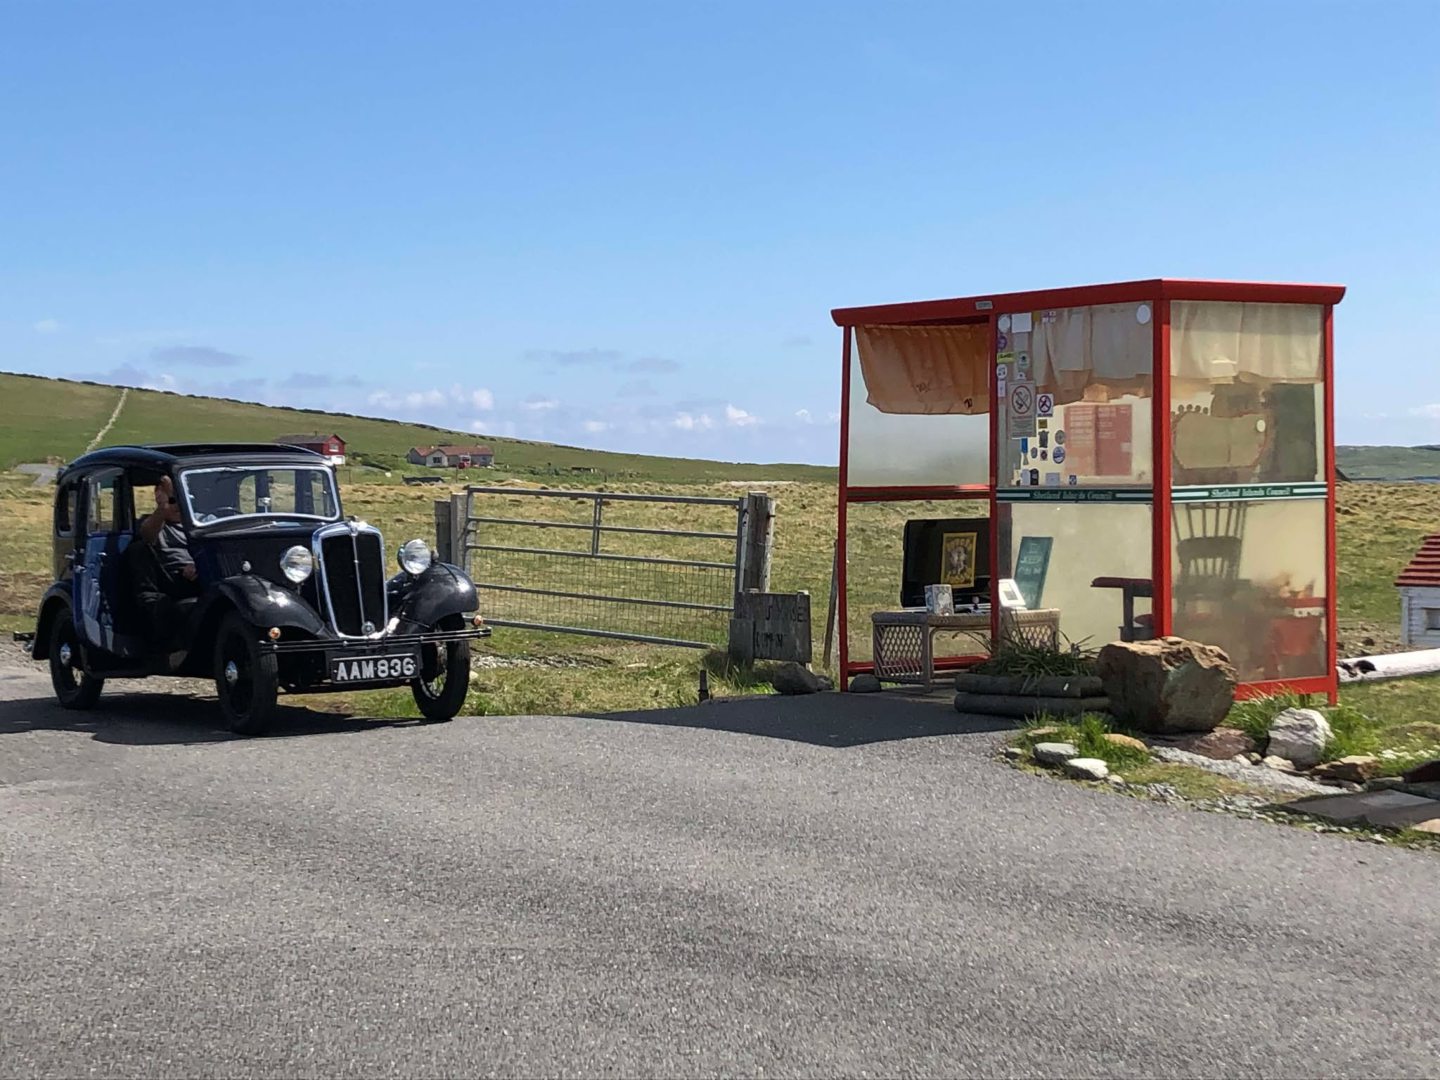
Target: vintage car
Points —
{"points": [[289, 594]]}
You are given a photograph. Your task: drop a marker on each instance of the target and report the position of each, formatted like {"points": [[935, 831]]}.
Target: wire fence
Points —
{"points": [[655, 568]]}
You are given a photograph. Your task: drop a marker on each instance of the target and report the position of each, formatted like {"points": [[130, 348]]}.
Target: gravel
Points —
{"points": [[1258, 775]]}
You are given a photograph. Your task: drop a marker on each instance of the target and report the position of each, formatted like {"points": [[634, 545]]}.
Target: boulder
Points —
{"points": [[1087, 768], [1168, 684], [1053, 753], [1299, 735], [792, 678], [864, 684], [1279, 764], [1116, 739], [1422, 774], [1222, 744], [1354, 768]]}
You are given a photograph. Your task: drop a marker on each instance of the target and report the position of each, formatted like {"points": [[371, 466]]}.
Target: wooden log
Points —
{"points": [[1021, 707], [1066, 686]]}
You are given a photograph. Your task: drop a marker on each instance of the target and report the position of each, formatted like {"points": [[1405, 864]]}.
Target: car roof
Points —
{"points": [[163, 457]]}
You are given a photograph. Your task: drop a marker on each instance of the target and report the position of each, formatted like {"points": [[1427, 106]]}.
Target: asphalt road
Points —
{"points": [[820, 887]]}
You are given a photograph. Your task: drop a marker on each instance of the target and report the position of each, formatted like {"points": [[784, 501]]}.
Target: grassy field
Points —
{"points": [[42, 418], [1388, 462]]}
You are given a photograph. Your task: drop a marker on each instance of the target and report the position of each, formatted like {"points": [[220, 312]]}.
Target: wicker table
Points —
{"points": [[904, 641]]}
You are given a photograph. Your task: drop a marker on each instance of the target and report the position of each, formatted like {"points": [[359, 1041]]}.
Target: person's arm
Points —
{"points": [[167, 511]]}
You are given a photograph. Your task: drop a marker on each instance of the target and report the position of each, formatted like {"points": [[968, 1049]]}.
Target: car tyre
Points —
{"points": [[246, 677], [441, 697], [73, 688]]}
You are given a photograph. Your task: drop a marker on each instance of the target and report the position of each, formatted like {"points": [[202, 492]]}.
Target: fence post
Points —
{"points": [[460, 529], [758, 539], [442, 531]]}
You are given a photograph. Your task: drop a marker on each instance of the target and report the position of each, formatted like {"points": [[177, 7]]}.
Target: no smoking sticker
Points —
{"points": [[1045, 404], [1022, 400]]}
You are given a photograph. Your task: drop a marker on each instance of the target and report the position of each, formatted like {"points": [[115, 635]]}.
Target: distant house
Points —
{"points": [[452, 457], [331, 447], [1419, 585]]}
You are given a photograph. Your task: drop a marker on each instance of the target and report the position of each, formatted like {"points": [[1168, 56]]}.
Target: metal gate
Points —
{"points": [[663, 569]]}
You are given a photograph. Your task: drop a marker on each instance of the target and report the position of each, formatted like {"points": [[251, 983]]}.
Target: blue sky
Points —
{"points": [[623, 224]]}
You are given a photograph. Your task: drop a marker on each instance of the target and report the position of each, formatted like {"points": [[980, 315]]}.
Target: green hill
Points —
{"points": [[44, 418], [1388, 462]]}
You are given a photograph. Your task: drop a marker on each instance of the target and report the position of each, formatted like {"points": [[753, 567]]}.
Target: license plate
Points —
{"points": [[380, 668]]}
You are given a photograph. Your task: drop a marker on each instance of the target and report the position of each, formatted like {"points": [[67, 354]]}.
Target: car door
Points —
{"points": [[100, 575]]}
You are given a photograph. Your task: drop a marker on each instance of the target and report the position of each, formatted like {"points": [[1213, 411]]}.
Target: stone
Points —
{"points": [[1271, 761], [1053, 753], [791, 678], [1043, 732], [1431, 826], [1424, 774], [1167, 685], [1354, 768], [1299, 735], [1013, 753], [1116, 739], [1241, 759], [864, 684], [1222, 744], [1254, 758], [1087, 768], [1115, 780], [1385, 783]]}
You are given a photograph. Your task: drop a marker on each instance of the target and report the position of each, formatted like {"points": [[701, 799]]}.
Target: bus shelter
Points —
{"points": [[1119, 461]]}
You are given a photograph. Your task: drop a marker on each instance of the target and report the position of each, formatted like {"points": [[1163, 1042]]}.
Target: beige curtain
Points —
{"points": [[1249, 342], [1077, 348], [926, 369]]}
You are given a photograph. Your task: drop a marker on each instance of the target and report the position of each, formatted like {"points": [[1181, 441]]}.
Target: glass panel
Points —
{"points": [[902, 449], [1250, 578], [214, 494], [1247, 393], [1075, 411], [893, 550], [1087, 562], [104, 510]]}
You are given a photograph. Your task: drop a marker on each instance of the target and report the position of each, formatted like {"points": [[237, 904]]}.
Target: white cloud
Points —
{"points": [[539, 404], [482, 399], [415, 399], [47, 326], [803, 415], [594, 427], [1430, 412], [692, 422], [739, 417]]}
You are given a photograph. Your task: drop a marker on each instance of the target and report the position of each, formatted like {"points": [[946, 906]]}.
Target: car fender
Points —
{"points": [[55, 597], [440, 591], [263, 603]]}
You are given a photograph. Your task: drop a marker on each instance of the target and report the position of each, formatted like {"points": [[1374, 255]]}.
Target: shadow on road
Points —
{"points": [[167, 719], [838, 720]]}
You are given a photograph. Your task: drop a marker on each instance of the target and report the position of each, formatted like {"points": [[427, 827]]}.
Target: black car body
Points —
{"points": [[290, 594]]}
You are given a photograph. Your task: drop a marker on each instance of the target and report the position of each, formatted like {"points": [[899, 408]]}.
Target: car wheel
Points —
{"points": [[444, 679], [73, 688], [246, 677]]}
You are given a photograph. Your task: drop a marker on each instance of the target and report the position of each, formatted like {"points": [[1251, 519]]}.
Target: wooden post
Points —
{"points": [[443, 538], [758, 540], [460, 530]]}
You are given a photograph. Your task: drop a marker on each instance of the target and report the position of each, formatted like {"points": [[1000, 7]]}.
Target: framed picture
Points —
{"points": [[957, 560]]}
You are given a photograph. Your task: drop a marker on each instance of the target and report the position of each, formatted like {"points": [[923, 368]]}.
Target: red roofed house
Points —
{"points": [[1419, 585], [330, 446], [451, 457]]}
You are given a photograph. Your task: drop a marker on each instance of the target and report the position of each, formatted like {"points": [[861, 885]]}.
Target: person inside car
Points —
{"points": [[161, 565]]}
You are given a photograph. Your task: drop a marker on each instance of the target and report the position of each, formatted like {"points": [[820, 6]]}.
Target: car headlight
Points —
{"points": [[297, 564], [414, 557]]}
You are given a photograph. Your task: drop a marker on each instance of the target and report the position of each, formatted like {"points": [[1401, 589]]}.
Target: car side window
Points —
{"points": [[105, 506], [67, 507]]}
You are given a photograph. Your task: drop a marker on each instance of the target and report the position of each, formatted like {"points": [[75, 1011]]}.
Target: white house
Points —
{"points": [[1419, 585]]}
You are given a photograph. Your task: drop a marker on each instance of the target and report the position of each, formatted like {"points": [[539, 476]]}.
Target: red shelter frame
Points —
{"points": [[1159, 293]]}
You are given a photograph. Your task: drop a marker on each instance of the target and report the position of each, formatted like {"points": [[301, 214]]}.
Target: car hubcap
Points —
{"points": [[232, 672], [65, 654]]}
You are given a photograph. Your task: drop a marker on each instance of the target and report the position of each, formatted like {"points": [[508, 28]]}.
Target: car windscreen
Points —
{"points": [[275, 492]]}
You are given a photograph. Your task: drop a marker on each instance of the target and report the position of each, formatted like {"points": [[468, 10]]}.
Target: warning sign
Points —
{"points": [[1022, 400], [1045, 404]]}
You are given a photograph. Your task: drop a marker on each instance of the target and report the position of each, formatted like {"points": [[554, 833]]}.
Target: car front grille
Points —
{"points": [[352, 562]]}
